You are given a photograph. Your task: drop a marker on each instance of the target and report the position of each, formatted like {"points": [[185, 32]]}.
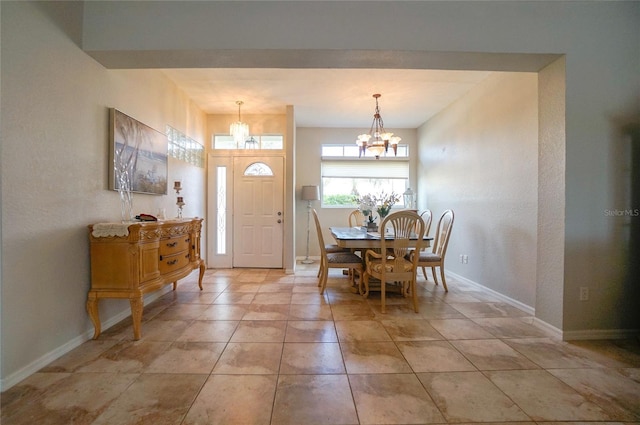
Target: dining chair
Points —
{"points": [[435, 258], [356, 218], [335, 260], [391, 265]]}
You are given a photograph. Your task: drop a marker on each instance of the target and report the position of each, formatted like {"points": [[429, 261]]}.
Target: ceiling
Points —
{"points": [[328, 97]]}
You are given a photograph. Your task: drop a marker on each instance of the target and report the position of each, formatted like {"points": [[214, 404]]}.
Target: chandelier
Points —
{"points": [[378, 139], [238, 129]]}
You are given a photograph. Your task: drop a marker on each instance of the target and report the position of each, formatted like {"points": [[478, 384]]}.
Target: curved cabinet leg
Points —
{"points": [[92, 309], [202, 269], [136, 315]]}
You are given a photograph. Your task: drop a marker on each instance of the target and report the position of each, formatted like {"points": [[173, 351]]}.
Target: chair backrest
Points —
{"points": [[427, 217], [443, 232], [356, 218], [319, 231], [404, 225]]}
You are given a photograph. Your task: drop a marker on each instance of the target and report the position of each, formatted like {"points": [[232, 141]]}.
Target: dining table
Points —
{"points": [[358, 238]]}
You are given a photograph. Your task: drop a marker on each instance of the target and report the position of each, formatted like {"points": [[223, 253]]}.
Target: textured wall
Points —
{"points": [[479, 158]]}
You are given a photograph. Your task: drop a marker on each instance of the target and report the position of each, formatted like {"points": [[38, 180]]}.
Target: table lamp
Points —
{"points": [[309, 193]]}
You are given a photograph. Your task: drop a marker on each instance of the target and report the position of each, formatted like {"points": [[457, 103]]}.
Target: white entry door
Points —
{"points": [[258, 204]]}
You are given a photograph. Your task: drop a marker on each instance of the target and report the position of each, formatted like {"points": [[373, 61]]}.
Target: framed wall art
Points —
{"points": [[138, 160]]}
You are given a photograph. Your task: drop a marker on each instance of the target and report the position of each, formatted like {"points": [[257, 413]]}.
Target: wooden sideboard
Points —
{"points": [[130, 260]]}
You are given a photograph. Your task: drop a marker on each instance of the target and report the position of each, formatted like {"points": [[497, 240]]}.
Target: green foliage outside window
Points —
{"points": [[339, 200]]}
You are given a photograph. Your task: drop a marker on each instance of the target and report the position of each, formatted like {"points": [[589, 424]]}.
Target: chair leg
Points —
{"points": [[424, 272], [414, 295], [435, 277], [323, 279], [365, 278], [382, 295], [444, 282]]}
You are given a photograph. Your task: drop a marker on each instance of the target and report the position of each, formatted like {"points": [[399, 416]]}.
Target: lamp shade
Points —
{"points": [[310, 193]]}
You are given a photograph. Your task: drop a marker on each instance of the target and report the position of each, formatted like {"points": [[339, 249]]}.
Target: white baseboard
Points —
{"points": [[60, 351], [601, 334], [555, 332], [528, 309]]}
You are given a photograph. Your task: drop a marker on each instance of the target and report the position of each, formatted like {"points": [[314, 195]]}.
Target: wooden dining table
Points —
{"points": [[360, 239]]}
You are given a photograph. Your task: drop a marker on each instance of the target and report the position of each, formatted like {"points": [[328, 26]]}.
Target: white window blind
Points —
{"points": [[366, 169]]}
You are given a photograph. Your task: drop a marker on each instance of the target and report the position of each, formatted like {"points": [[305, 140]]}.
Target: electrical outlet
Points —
{"points": [[465, 259], [461, 259], [584, 293]]}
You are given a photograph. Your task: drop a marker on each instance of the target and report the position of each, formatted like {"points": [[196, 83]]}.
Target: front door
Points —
{"points": [[258, 204]]}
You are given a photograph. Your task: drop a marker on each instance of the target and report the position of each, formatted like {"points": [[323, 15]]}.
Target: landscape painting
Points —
{"points": [[138, 156]]}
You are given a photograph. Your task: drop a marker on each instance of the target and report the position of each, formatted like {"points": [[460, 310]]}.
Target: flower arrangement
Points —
{"points": [[382, 203]]}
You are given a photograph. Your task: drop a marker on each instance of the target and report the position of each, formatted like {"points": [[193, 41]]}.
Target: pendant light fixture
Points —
{"points": [[238, 129], [378, 139]]}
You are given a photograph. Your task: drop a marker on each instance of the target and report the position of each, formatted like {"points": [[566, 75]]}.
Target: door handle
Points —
{"points": [[279, 212], [279, 221]]}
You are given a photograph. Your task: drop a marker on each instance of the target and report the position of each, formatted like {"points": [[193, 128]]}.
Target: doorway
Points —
{"points": [[246, 211]]}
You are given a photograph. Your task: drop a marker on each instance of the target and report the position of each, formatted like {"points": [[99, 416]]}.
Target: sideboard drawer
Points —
{"points": [[173, 245], [169, 263]]}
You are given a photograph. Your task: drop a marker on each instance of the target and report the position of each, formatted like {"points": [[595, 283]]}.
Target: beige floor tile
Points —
{"points": [[276, 286], [272, 298], [552, 354], [617, 353], [492, 354], [393, 399], [182, 312], [260, 331], [154, 398], [310, 331], [616, 393], [460, 329], [163, 330], [209, 331], [310, 312], [80, 357], [249, 358], [193, 297], [234, 298], [544, 397], [373, 357], [434, 356], [187, 357], [470, 397], [267, 312], [311, 358], [55, 398], [511, 327], [224, 400], [313, 399], [127, 357], [488, 309], [224, 312], [411, 330], [361, 330], [311, 297], [360, 311]]}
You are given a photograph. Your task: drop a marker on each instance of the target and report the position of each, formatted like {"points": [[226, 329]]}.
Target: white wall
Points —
{"points": [[55, 102], [307, 171], [478, 157], [600, 41]]}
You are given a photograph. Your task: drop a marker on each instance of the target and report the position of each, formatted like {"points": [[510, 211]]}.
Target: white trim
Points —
{"points": [[528, 309], [600, 334], [58, 352], [587, 334]]}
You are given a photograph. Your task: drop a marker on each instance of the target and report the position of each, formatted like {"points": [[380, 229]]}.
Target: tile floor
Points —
{"points": [[262, 347]]}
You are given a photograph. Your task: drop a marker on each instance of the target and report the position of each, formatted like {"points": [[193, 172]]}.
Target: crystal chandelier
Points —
{"points": [[239, 130], [378, 139]]}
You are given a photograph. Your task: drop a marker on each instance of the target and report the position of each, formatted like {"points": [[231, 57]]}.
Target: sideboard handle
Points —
{"points": [[172, 262], [172, 244]]}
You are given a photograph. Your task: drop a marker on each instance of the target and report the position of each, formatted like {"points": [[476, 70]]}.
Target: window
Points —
{"points": [[258, 169], [185, 148], [265, 141], [343, 176]]}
